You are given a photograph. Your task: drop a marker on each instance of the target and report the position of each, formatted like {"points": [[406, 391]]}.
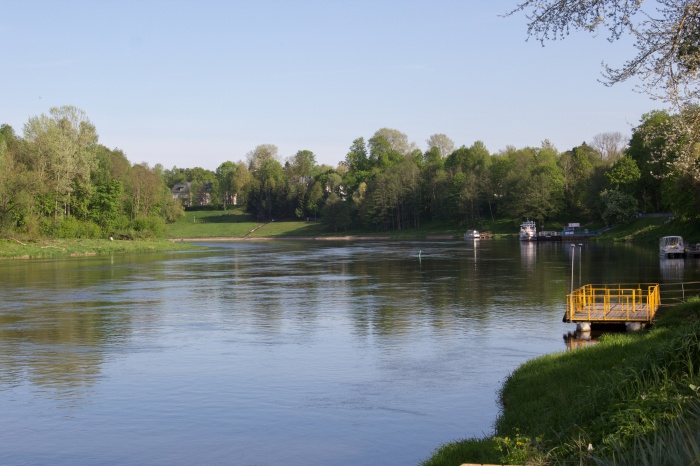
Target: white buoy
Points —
{"points": [[583, 327]]}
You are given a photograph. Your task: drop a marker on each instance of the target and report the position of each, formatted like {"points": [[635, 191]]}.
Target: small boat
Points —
{"points": [[672, 246], [548, 236], [472, 234], [528, 231]]}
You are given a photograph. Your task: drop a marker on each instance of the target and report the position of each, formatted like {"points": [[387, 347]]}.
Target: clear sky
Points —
{"points": [[197, 83]]}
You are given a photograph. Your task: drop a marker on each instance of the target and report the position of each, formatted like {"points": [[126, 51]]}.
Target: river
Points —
{"points": [[282, 352]]}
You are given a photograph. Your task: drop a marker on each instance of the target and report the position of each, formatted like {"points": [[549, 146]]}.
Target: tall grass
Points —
{"points": [[676, 442]]}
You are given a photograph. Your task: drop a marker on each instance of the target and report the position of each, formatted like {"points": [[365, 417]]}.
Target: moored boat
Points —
{"points": [[672, 246], [528, 231], [472, 234]]}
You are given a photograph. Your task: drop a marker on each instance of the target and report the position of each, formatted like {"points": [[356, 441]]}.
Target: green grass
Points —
{"points": [[235, 223], [55, 248], [208, 224], [283, 229], [480, 451], [639, 230]]}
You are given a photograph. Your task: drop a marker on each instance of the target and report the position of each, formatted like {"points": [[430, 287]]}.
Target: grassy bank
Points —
{"points": [[28, 249], [630, 399], [235, 223], [648, 230]]}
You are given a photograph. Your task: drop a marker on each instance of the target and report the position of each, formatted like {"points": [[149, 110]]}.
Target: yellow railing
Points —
{"points": [[613, 303]]}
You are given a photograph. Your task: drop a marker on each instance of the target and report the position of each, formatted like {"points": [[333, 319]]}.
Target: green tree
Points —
{"points": [[577, 166], [175, 176], [336, 213], [648, 140], [147, 191], [301, 165], [442, 143], [393, 197], [315, 199], [666, 64], [232, 182], [261, 154], [63, 151], [618, 207], [267, 194], [16, 184], [388, 147], [106, 205], [299, 170], [529, 182], [624, 175]]}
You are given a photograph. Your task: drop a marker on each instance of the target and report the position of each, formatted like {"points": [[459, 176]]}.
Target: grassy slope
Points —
{"points": [[650, 229], [235, 223], [620, 396]]}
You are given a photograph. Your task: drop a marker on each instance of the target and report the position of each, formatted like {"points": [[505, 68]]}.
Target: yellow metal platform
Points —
{"points": [[613, 303]]}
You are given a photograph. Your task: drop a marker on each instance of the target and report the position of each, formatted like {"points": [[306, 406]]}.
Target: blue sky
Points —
{"points": [[197, 83]]}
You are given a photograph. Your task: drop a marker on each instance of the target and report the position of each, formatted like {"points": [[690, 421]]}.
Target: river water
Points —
{"points": [[295, 353]]}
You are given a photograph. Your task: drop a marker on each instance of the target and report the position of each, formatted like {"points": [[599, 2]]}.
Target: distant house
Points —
{"points": [[182, 191]]}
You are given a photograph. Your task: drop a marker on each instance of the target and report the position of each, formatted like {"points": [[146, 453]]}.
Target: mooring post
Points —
{"points": [[580, 260], [573, 257]]}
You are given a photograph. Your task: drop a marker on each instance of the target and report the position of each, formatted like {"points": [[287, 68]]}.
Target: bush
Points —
{"points": [[148, 227], [70, 227]]}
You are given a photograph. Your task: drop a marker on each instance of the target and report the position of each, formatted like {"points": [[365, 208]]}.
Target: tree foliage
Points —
{"points": [[666, 63], [58, 180]]}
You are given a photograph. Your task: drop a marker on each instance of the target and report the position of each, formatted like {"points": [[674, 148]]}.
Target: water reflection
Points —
{"points": [[574, 340], [528, 254], [672, 268]]}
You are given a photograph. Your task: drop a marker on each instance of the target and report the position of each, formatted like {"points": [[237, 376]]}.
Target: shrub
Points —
{"points": [[149, 227], [70, 227]]}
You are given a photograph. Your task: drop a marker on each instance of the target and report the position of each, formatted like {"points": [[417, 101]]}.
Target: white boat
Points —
{"points": [[671, 246], [472, 234], [528, 231]]}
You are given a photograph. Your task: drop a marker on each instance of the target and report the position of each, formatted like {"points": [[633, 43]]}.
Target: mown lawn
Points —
{"points": [[207, 224]]}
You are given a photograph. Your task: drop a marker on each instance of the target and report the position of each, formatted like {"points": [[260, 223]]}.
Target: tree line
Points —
{"points": [[388, 183], [57, 180]]}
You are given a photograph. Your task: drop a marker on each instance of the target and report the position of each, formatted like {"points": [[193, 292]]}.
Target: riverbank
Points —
{"points": [[54, 248], [632, 398]]}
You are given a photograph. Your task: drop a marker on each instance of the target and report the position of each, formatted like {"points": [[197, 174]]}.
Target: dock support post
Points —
{"points": [[583, 327]]}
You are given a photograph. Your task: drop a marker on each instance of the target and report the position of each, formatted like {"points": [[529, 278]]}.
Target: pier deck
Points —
{"points": [[613, 303]]}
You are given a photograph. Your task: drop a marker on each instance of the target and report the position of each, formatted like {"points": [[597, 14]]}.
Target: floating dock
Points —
{"points": [[613, 304]]}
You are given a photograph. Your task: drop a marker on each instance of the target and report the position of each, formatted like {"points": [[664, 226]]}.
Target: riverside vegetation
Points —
{"points": [[57, 181]]}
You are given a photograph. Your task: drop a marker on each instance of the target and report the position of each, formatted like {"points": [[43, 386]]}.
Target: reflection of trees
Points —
{"points": [[56, 319], [54, 348], [452, 287]]}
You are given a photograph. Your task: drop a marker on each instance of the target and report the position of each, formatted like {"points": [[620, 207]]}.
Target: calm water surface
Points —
{"points": [[265, 353]]}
